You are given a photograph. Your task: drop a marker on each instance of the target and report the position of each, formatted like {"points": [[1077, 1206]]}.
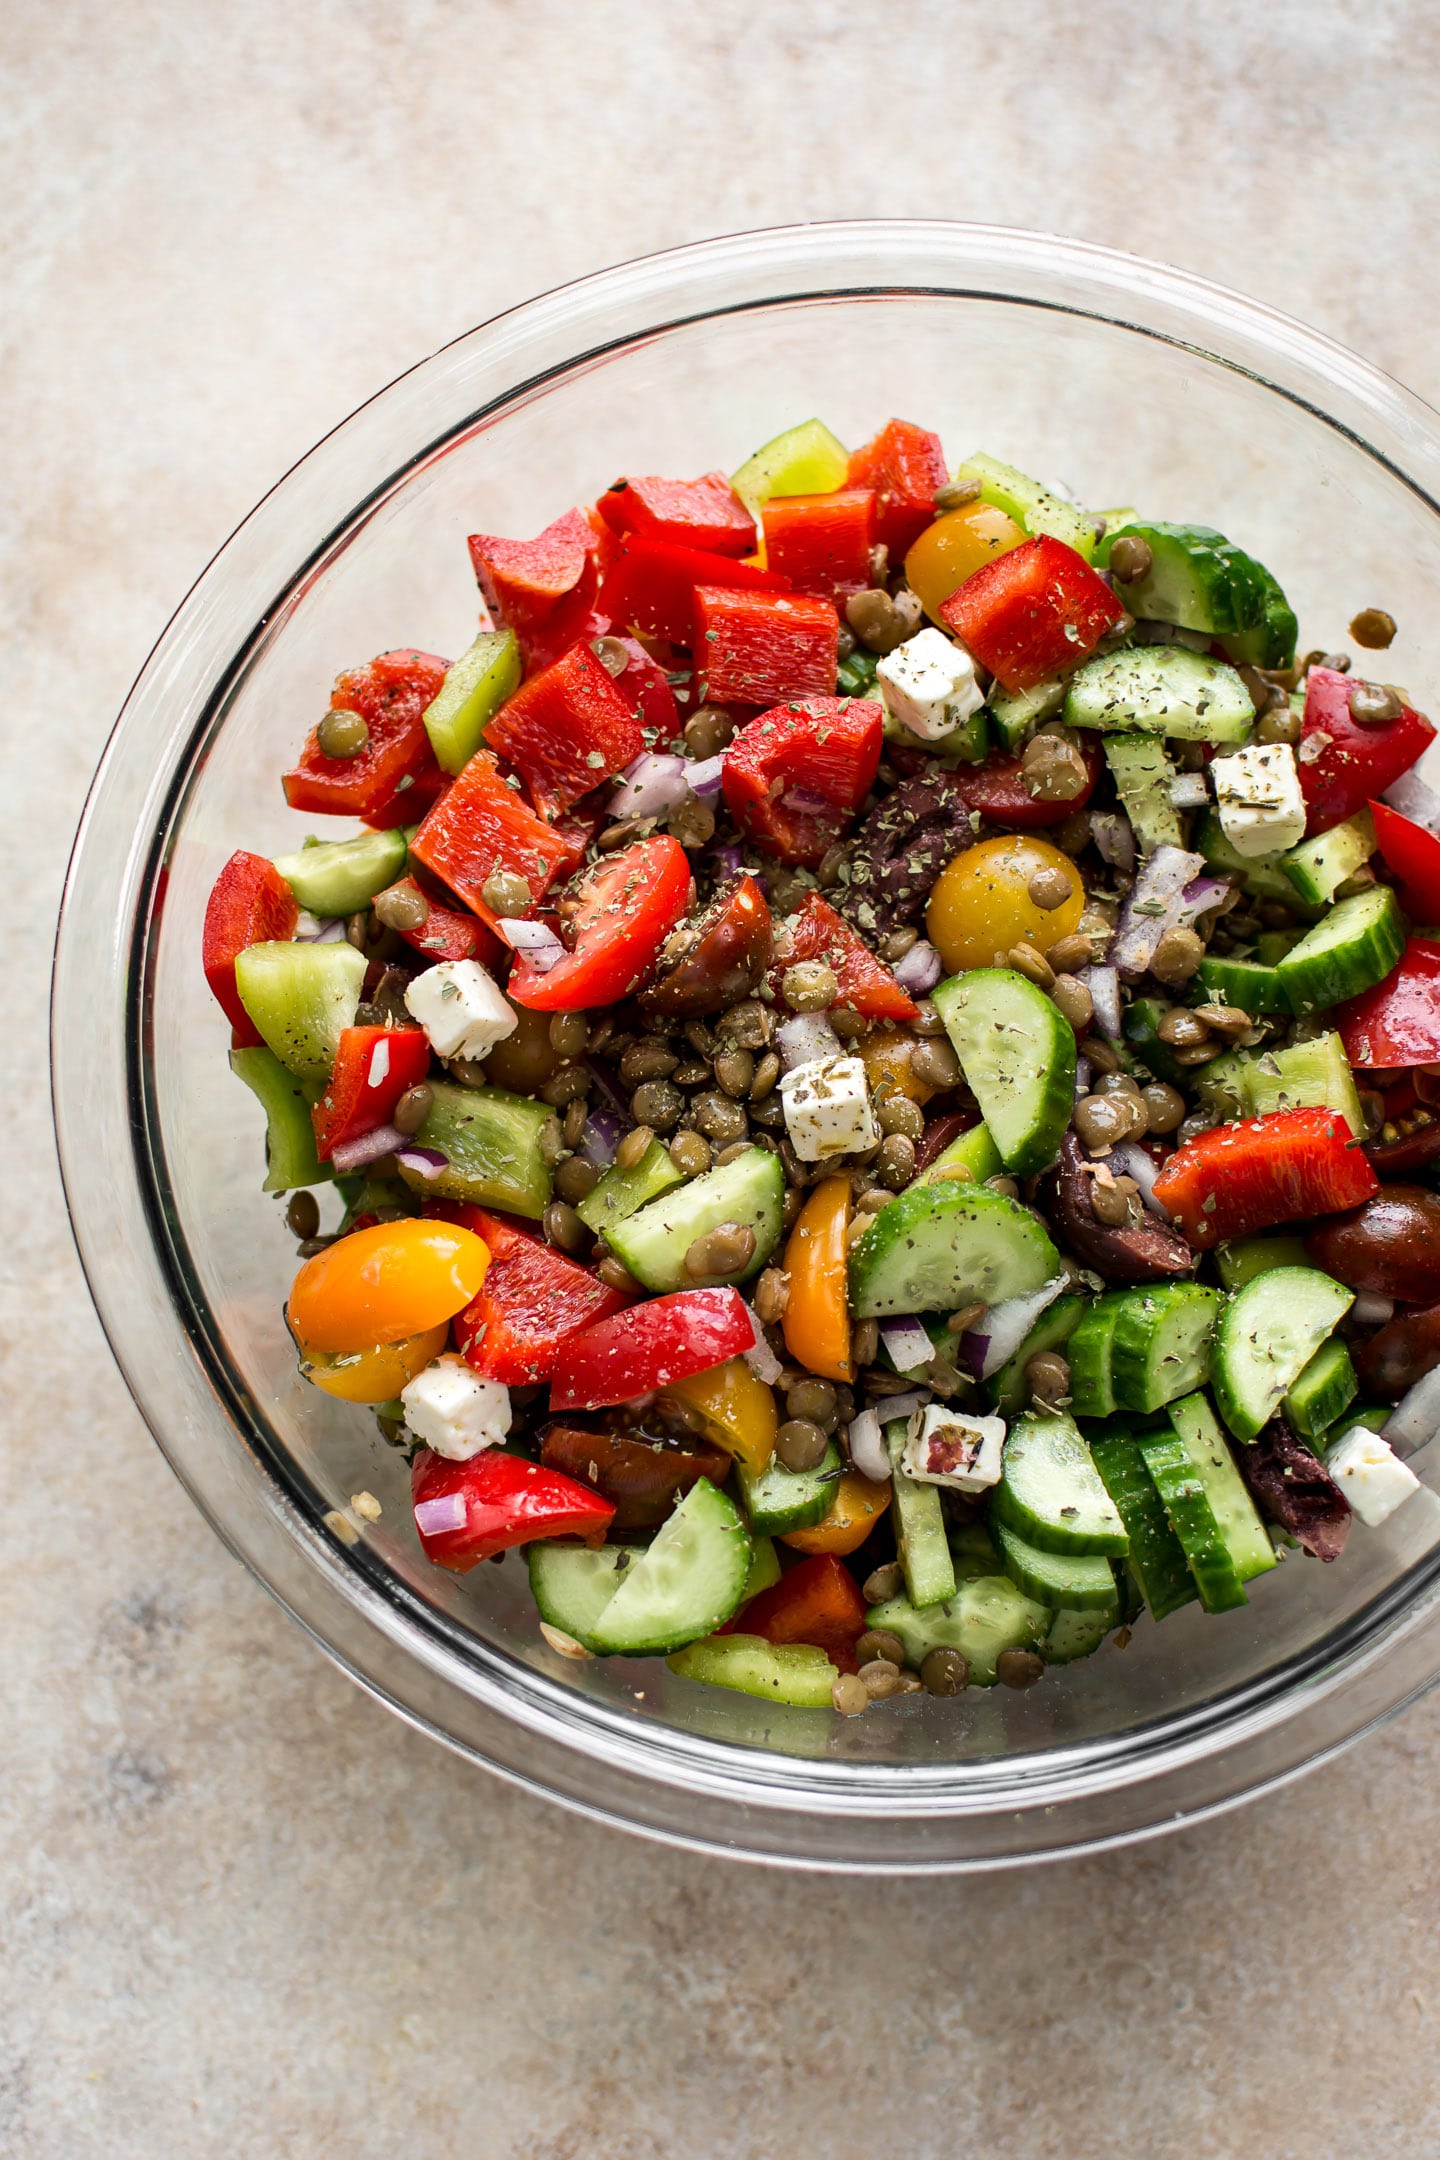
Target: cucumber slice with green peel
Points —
{"points": [[793, 1673], [938, 1247], [986, 1616], [1115, 522], [290, 1158], [1354, 947], [1051, 1492], [336, 877], [302, 998], [1267, 1336], [1091, 1358], [1241, 1262], [1220, 1085], [1249, 984], [1309, 1075], [966, 743], [621, 1193], [1316, 868], [475, 687], [1271, 946], [1160, 690], [654, 1240], [491, 1141], [1008, 1391], [1156, 1561], [1073, 1635], [1018, 1055], [1033, 506], [685, 1583], [764, 1568], [1015, 714], [974, 1151], [1261, 876], [1202, 581], [919, 1520], [1269, 643], [973, 1552], [572, 1585], [1246, 1538], [1190, 1510], [1080, 1582], [1324, 1390], [780, 1499], [1143, 775], [1162, 1343], [804, 460]]}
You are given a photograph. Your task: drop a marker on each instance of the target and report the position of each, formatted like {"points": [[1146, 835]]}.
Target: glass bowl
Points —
{"points": [[1124, 380]]}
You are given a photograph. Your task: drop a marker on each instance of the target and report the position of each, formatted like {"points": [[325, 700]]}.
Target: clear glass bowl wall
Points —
{"points": [[1127, 383]]}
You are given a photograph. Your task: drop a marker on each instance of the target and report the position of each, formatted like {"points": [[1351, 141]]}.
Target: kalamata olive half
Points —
{"points": [[1389, 1245], [715, 959], [1400, 1354], [642, 1473], [1148, 1251]]}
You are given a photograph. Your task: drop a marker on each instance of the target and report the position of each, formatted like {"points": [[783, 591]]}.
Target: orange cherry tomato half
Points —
{"points": [[384, 1284], [377, 1374], [857, 1506]]}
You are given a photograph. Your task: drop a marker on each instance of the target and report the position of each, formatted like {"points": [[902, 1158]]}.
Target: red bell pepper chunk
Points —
{"points": [[390, 694], [653, 584], [446, 933], [1413, 853], [904, 465], [373, 1068], [648, 1346], [250, 904], [532, 1298], [624, 910], [480, 825], [704, 513], [822, 543], [530, 584], [466, 1512], [818, 1602], [816, 932], [1398, 1022], [1343, 763], [1236, 1179], [759, 647], [794, 777], [1032, 612], [566, 731]]}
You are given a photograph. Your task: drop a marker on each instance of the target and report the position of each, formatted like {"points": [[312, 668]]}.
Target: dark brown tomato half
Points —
{"points": [[643, 1473], [1400, 1353], [1389, 1245], [716, 958]]}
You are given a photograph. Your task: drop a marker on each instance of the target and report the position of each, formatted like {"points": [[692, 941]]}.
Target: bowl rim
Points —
{"points": [[701, 1794]]}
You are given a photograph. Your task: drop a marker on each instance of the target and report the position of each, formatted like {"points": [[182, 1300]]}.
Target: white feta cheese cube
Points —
{"points": [[1370, 1474], [827, 1108], [454, 1411], [928, 684], [945, 1446], [460, 1009], [1258, 795]]}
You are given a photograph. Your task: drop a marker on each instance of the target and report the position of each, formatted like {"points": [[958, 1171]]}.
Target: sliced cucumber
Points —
{"points": [[1262, 876], [1242, 1536], [474, 689], [1324, 1390], [301, 998], [1162, 1343], [938, 1247], [1015, 714], [1091, 1358], [572, 1585], [1271, 946], [764, 1569], [919, 1521], [653, 1242], [805, 460], [1241, 1262], [973, 1552], [1267, 1335], [974, 1151], [1160, 690], [986, 1616], [1202, 581], [492, 1149], [793, 1673], [1309, 1075], [290, 1158], [1156, 1560], [335, 877], [1142, 1020], [1082, 1582], [780, 1499], [1143, 775], [1354, 947], [1033, 506], [1317, 867], [1220, 1085], [1018, 1055], [1073, 1635], [683, 1585], [1008, 1391], [1051, 1492], [1115, 522], [623, 1192], [1247, 983]]}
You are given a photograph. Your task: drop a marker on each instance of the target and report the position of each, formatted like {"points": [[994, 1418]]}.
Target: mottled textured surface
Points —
{"points": [[242, 1910]]}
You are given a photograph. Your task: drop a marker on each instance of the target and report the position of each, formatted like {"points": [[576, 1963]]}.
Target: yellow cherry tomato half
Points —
{"points": [[990, 899], [377, 1374], [856, 1508], [383, 1284], [886, 1056], [735, 1409], [954, 548]]}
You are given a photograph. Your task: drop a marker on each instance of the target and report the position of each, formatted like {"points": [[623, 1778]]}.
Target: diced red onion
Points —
{"points": [[760, 1357], [1199, 896], [433, 1518], [1151, 906], [369, 1147], [1188, 791], [1132, 1160], [1416, 1417], [651, 783], [426, 1162], [1372, 1310], [703, 777], [539, 943], [319, 929], [908, 1344], [599, 1138], [614, 1103], [805, 1037], [1414, 798], [1082, 1077], [902, 1406], [1103, 983], [1114, 839], [920, 969], [729, 862], [972, 1351], [1008, 1323], [868, 1451], [807, 802]]}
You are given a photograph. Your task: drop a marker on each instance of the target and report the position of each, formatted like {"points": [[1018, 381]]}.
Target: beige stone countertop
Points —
{"points": [[244, 1911]]}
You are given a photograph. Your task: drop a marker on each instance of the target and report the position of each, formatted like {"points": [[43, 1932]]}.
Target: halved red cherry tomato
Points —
{"points": [[1032, 612], [390, 694], [250, 904], [816, 932], [1265, 1171], [1413, 853], [618, 917], [1343, 763], [1398, 1022], [374, 1066], [795, 775], [383, 1284], [466, 1512], [713, 962]]}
